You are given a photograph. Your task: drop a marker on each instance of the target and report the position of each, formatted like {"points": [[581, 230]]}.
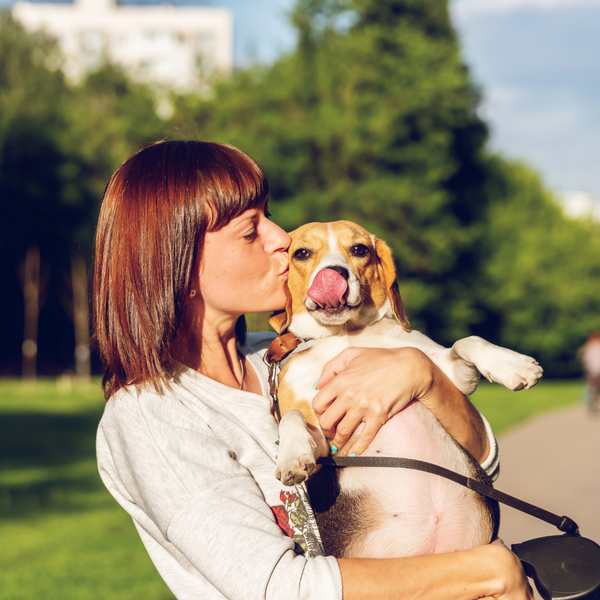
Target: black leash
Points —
{"points": [[564, 524]]}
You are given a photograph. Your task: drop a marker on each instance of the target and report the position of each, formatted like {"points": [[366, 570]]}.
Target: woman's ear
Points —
{"points": [[388, 269], [282, 319]]}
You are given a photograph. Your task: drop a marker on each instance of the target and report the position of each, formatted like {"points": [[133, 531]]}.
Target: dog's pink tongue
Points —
{"points": [[328, 288]]}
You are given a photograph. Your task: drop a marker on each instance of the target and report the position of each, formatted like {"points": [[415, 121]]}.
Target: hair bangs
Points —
{"points": [[230, 183]]}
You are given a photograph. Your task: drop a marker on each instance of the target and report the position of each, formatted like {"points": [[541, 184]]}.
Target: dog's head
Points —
{"points": [[341, 278]]}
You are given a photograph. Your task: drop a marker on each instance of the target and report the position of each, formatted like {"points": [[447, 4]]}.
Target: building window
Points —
{"points": [[92, 48]]}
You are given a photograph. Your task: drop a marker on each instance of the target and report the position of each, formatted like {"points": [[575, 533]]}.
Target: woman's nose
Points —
{"points": [[279, 240]]}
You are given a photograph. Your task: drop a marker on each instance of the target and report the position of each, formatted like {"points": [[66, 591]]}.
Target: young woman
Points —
{"points": [[187, 443]]}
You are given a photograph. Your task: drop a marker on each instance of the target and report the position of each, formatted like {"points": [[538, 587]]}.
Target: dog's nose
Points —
{"points": [[341, 270]]}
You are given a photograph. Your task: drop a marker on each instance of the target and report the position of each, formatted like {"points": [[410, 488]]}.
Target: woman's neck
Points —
{"points": [[211, 350]]}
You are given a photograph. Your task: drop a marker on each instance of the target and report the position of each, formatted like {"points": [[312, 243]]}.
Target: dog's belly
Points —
{"points": [[380, 512]]}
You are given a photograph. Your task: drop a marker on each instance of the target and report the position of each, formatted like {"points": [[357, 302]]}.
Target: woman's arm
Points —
{"points": [[371, 385], [490, 571]]}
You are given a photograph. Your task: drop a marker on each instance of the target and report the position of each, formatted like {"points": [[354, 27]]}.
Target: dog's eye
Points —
{"points": [[302, 254], [359, 250]]}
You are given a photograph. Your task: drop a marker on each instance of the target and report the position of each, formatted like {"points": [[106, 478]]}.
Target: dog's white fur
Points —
{"points": [[372, 315]]}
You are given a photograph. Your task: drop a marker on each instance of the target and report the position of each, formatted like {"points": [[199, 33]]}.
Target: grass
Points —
{"points": [[65, 538], [504, 409]]}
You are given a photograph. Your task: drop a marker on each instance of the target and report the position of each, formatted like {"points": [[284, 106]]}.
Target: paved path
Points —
{"points": [[552, 461]]}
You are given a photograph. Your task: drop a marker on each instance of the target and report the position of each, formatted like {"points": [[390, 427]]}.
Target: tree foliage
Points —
{"points": [[371, 118], [540, 272], [59, 143]]}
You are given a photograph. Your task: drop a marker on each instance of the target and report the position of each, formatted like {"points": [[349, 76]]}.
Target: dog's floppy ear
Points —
{"points": [[384, 254], [282, 319]]}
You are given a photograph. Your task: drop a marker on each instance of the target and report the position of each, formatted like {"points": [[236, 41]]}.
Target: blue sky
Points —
{"points": [[536, 61]]}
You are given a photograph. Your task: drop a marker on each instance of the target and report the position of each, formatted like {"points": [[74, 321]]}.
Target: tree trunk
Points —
{"points": [[81, 318], [31, 297]]}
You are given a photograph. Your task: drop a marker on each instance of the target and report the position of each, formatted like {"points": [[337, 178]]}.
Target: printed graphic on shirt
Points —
{"points": [[294, 519]]}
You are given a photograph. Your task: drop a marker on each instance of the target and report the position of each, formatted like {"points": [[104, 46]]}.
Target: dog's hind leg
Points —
{"points": [[513, 370]]}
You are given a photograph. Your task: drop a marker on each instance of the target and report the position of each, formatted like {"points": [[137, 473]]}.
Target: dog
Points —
{"points": [[342, 292]]}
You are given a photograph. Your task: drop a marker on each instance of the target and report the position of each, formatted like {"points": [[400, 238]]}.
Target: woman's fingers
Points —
{"points": [[363, 386], [516, 587], [336, 365], [366, 436], [329, 408], [344, 430], [344, 426]]}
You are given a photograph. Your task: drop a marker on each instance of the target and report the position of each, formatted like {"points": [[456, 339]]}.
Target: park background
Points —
{"points": [[371, 114]]}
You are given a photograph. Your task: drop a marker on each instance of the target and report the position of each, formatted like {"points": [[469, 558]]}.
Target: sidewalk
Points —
{"points": [[552, 461]]}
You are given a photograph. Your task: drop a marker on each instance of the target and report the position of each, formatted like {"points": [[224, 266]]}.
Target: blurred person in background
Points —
{"points": [[590, 359]]}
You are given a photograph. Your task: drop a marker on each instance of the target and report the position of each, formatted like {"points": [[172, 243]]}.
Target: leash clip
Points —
{"points": [[273, 383]]}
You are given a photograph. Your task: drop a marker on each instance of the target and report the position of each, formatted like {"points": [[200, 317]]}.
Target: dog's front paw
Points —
{"points": [[296, 461], [296, 470], [515, 371]]}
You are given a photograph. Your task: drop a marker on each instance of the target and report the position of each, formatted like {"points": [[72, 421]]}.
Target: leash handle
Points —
{"points": [[562, 523]]}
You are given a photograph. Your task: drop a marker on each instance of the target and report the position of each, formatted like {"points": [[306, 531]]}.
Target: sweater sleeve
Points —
{"points": [[201, 514]]}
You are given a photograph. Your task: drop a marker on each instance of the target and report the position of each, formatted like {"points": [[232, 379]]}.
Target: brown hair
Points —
{"points": [[156, 209]]}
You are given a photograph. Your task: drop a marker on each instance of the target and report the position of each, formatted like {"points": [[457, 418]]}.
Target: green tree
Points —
{"points": [[373, 118], [59, 144], [370, 119], [540, 280]]}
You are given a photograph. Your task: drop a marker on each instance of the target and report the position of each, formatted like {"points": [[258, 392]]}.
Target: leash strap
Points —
{"points": [[564, 524], [276, 356], [279, 349]]}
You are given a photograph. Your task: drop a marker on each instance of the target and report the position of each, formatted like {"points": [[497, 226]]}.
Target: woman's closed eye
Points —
{"points": [[251, 235]]}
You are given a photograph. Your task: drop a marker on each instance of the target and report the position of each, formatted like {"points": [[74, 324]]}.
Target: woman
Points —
{"points": [[187, 443]]}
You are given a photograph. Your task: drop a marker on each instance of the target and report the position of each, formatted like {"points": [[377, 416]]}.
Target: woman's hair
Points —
{"points": [[156, 210]]}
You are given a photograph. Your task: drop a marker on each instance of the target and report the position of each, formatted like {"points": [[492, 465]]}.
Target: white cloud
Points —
{"points": [[469, 7]]}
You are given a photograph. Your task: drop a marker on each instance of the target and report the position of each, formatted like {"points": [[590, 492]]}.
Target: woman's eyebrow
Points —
{"points": [[249, 217]]}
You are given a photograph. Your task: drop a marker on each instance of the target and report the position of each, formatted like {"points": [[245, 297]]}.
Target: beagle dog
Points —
{"points": [[343, 292]]}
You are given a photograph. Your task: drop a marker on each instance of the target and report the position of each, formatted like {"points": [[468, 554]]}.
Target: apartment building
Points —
{"points": [[165, 45]]}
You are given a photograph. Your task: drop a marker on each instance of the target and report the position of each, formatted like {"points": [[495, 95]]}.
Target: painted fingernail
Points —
{"points": [[315, 384], [352, 455], [333, 449]]}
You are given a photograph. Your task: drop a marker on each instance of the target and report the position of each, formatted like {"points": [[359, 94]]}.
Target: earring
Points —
{"points": [[192, 293]]}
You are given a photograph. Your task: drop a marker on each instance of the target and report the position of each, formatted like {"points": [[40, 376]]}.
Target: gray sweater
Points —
{"points": [[195, 469]]}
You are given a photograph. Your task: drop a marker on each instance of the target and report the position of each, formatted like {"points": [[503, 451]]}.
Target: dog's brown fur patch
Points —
{"points": [[343, 519]]}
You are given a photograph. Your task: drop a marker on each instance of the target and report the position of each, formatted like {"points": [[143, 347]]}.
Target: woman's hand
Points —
{"points": [[514, 583], [371, 385]]}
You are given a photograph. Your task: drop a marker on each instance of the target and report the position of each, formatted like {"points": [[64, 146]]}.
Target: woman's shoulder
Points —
{"points": [[145, 407]]}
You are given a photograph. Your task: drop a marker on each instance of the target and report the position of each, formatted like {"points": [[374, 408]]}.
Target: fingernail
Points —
{"points": [[333, 449], [315, 385], [352, 455]]}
